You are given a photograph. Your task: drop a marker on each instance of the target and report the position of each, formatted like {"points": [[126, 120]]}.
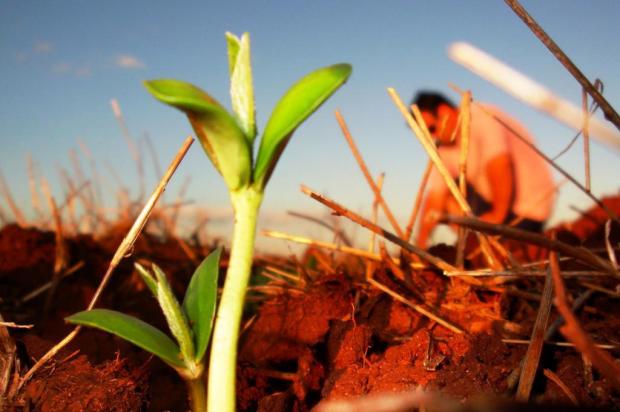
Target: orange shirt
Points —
{"points": [[534, 186]]}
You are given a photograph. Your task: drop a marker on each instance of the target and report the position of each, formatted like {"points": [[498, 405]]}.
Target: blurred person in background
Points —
{"points": [[507, 181]]}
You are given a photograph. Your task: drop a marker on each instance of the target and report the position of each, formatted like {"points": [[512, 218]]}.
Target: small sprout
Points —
{"points": [[228, 142], [186, 356]]}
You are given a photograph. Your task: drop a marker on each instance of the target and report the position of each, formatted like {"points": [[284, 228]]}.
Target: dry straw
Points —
{"points": [[123, 250], [425, 139]]}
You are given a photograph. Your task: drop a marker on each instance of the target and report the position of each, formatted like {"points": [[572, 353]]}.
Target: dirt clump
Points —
{"points": [[76, 385], [289, 324]]}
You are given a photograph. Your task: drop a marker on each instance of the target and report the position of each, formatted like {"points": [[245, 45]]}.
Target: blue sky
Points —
{"points": [[61, 63]]}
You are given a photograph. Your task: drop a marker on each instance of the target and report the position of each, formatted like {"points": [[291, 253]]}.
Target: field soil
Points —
{"points": [[326, 334]]}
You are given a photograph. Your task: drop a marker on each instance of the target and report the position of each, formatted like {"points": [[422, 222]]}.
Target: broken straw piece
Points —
{"points": [[528, 91]]}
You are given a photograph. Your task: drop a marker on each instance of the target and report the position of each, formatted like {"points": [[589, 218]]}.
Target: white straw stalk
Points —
{"points": [[528, 91]]}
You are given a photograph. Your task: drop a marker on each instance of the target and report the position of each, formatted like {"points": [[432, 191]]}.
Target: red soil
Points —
{"points": [[333, 338]]}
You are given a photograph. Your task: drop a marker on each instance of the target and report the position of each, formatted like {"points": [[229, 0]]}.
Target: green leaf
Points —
{"points": [[147, 278], [299, 102], [241, 87], [177, 322], [133, 330], [218, 132], [200, 301]]}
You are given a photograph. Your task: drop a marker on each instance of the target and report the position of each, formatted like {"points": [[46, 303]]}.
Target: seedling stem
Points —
{"points": [[222, 394]]}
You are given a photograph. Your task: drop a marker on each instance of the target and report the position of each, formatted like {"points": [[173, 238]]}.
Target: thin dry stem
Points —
{"points": [[122, 251], [372, 238], [39, 290], [368, 176], [385, 257], [553, 164], [525, 273], [375, 213], [115, 176], [322, 261], [14, 325], [61, 259], [32, 184], [3, 218], [77, 167], [418, 200], [332, 246], [573, 331], [127, 243], [586, 138], [338, 233], [285, 376], [86, 198], [418, 308], [8, 355], [577, 305], [67, 201], [425, 139], [70, 195], [599, 288], [133, 148], [610, 249], [609, 111], [273, 278], [424, 255], [96, 182], [465, 116], [8, 197], [293, 278], [529, 91], [534, 350], [551, 330], [559, 344], [556, 379], [465, 120], [513, 233]]}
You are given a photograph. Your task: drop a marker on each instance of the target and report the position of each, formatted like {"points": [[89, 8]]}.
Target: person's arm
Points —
{"points": [[500, 173], [434, 205]]}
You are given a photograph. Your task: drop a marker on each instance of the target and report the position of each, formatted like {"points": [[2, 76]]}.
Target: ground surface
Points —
{"points": [[329, 335]]}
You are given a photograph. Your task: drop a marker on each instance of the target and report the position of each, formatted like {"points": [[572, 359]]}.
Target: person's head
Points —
{"points": [[439, 113]]}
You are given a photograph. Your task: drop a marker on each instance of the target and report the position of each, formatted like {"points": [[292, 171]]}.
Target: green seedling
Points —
{"points": [[228, 140], [190, 324]]}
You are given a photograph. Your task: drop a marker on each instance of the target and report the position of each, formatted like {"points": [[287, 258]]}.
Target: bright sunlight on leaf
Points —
{"points": [[299, 102], [222, 139]]}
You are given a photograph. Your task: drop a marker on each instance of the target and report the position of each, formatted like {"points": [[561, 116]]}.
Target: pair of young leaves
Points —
{"points": [[190, 323], [228, 139]]}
